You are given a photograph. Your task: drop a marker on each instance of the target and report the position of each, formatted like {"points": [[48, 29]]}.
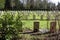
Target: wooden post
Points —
{"points": [[36, 26], [59, 24], [53, 27]]}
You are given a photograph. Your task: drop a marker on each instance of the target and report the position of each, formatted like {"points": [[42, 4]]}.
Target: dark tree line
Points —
{"points": [[13, 4], [31, 4]]}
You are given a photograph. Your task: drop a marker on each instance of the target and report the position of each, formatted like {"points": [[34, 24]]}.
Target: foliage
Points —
{"points": [[2, 3], [29, 4], [10, 25]]}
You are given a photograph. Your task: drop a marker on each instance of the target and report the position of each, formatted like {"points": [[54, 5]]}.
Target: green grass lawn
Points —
{"points": [[42, 24]]}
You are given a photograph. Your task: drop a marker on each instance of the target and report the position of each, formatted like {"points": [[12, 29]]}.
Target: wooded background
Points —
{"points": [[28, 4]]}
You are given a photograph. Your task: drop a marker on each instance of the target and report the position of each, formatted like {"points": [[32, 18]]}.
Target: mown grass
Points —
{"points": [[42, 24]]}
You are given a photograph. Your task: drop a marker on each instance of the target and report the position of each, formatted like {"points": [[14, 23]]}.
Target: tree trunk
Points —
{"points": [[7, 4]]}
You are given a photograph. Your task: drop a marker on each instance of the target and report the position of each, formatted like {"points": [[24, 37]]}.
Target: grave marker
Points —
{"points": [[36, 26], [53, 27]]}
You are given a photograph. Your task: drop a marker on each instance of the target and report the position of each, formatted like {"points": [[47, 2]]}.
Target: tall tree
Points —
{"points": [[45, 2], [30, 4], [18, 4], [13, 4], [7, 4], [51, 6], [58, 6]]}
